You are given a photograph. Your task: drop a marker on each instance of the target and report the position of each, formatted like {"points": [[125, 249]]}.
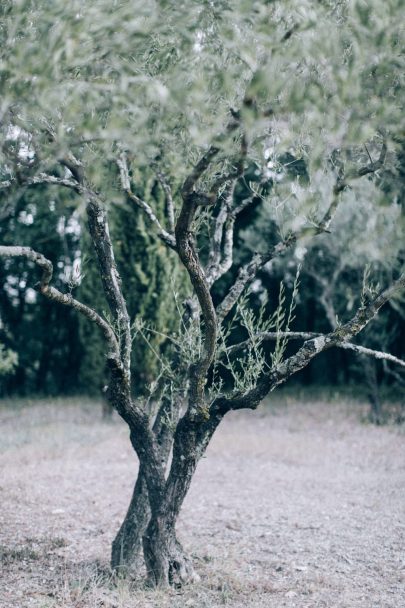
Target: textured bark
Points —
{"points": [[127, 547], [126, 553], [166, 561], [110, 278]]}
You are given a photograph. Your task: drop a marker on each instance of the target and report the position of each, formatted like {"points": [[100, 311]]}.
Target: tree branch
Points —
{"points": [[222, 236], [169, 198], [165, 236], [372, 167], [303, 335], [248, 272], [44, 178], [273, 335], [200, 168], [54, 294], [110, 278], [213, 269], [372, 353], [310, 349], [189, 256]]}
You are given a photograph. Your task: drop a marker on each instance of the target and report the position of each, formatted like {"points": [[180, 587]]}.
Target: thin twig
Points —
{"points": [[169, 199], [165, 236]]}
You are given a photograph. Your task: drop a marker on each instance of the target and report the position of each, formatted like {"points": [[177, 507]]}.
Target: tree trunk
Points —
{"points": [[127, 547], [126, 553], [157, 500], [166, 561], [373, 393]]}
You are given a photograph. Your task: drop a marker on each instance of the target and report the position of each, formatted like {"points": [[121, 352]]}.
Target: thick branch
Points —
{"points": [[272, 335], [305, 335], [100, 235], [221, 245], [237, 168], [74, 165], [189, 257], [205, 161], [198, 170], [310, 349], [44, 178], [51, 293], [248, 272]]}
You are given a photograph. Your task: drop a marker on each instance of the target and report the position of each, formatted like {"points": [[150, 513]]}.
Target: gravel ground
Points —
{"points": [[295, 505]]}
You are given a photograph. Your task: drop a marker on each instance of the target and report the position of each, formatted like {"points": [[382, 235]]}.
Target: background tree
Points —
{"points": [[333, 268], [44, 336], [206, 93], [8, 360]]}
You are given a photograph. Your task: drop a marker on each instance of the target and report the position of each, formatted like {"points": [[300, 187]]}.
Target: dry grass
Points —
{"points": [[299, 504]]}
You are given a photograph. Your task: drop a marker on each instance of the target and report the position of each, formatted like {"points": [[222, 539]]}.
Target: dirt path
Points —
{"points": [[297, 505]]}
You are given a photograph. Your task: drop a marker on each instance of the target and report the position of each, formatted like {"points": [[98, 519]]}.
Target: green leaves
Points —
{"points": [[146, 73]]}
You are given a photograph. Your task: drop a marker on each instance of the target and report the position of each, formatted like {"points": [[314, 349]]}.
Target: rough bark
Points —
{"points": [[166, 561], [127, 547], [126, 553]]}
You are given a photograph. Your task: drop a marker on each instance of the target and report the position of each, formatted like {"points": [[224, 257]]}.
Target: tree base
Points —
{"points": [[167, 563]]}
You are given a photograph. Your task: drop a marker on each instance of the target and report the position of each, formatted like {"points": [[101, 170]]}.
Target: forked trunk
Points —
{"points": [[142, 540], [127, 547], [166, 561]]}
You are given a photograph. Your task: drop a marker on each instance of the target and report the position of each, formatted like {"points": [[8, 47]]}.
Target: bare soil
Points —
{"points": [[296, 505]]}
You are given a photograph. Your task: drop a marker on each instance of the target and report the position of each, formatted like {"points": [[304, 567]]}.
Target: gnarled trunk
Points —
{"points": [[142, 539], [127, 547], [126, 552], [166, 561]]}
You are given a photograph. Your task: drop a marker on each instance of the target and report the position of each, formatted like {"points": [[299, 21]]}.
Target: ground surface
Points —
{"points": [[298, 504]]}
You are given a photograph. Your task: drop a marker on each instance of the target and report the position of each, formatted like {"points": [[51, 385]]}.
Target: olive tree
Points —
{"points": [[94, 94]]}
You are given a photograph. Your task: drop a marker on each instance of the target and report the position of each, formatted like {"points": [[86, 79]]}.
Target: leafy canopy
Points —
{"points": [[159, 78]]}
